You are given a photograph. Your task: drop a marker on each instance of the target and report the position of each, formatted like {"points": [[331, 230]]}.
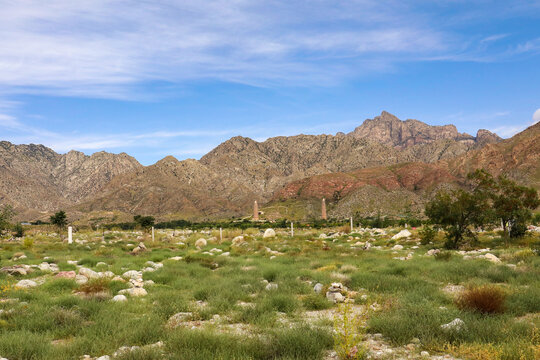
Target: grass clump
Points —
{"points": [[486, 299], [316, 302]]}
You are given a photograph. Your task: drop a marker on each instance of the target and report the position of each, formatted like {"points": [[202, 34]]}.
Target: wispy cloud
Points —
{"points": [[511, 130], [107, 48]]}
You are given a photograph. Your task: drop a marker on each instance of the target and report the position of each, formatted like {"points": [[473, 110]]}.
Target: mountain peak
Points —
{"points": [[389, 130]]}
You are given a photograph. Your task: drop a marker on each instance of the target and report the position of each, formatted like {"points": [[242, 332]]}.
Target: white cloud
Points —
{"points": [[536, 116], [104, 49]]}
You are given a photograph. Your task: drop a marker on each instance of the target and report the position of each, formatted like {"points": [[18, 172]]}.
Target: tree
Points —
{"points": [[59, 219], [457, 212], [511, 204], [6, 214], [145, 222]]}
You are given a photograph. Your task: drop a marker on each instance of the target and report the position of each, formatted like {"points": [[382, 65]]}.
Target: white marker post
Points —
{"points": [[70, 235], [292, 229], [220, 235], [351, 225], [152, 234]]}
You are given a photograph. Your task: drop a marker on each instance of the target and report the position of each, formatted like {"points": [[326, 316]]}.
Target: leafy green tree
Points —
{"points": [[458, 212], [6, 214], [511, 204], [145, 222], [59, 219]]}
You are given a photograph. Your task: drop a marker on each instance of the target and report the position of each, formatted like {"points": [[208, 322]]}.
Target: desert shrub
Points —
{"points": [[94, 286], [427, 234], [316, 302], [486, 299], [18, 231], [443, 256], [28, 243]]}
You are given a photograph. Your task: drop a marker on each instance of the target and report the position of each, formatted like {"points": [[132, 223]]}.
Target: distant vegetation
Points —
{"points": [[489, 202]]}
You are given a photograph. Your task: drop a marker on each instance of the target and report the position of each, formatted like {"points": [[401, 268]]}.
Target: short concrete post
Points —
{"points": [[351, 225], [70, 235], [292, 229], [220, 235], [152, 234]]}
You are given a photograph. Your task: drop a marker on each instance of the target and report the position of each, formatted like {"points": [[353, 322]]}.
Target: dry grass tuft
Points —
{"points": [[487, 299]]}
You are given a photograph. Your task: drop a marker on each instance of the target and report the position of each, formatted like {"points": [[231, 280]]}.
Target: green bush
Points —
{"points": [[427, 234]]}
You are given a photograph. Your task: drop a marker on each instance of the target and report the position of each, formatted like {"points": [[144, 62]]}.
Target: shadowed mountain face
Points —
{"points": [[226, 180]]}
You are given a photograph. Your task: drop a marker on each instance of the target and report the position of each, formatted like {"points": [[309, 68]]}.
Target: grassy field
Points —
{"points": [[254, 298]]}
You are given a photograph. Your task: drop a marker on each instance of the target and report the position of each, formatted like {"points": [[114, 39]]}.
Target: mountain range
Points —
{"points": [[385, 164]]}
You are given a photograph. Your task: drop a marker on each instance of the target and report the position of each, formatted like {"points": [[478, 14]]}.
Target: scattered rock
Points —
{"points": [[135, 292], [237, 241], [269, 233], [81, 279], [397, 247], [200, 243], [14, 270], [132, 274], [139, 249], [401, 234], [454, 325], [271, 286], [178, 318], [66, 274], [88, 273], [433, 252], [318, 287], [26, 284], [492, 258], [119, 298], [334, 293]]}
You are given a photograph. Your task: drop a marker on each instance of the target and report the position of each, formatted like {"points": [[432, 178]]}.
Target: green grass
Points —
{"points": [[53, 322]]}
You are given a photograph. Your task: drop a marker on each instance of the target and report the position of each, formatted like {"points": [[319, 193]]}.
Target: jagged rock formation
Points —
{"points": [[389, 130]]}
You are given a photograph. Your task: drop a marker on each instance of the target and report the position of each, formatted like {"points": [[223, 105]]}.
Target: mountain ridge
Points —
{"points": [[225, 181]]}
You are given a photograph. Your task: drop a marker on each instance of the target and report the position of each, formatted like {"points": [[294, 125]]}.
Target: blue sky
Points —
{"points": [[157, 78]]}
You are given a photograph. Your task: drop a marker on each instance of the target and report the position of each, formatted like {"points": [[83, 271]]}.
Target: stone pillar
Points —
{"points": [[70, 235], [323, 209], [220, 235], [351, 225], [292, 229], [255, 211], [152, 234]]}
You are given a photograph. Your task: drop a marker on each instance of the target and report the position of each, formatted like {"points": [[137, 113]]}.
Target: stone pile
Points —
{"points": [[335, 293]]}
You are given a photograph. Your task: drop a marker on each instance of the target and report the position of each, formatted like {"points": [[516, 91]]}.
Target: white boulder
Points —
{"points": [[402, 234], [269, 233]]}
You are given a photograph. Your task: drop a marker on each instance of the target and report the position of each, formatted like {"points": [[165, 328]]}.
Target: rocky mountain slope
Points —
{"points": [[225, 181], [382, 141], [394, 189], [186, 188], [517, 158], [35, 179]]}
